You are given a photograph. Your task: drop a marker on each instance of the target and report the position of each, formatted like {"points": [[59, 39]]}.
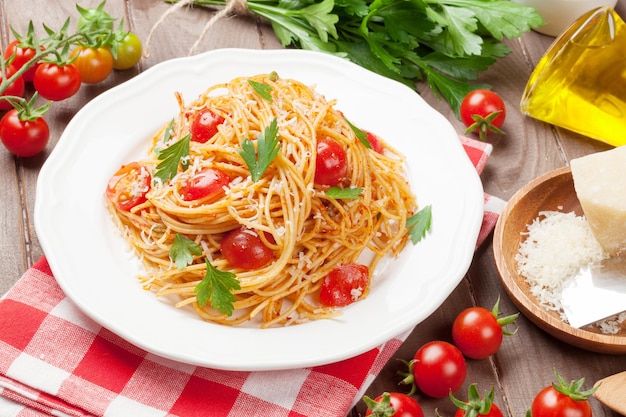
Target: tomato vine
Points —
{"points": [[54, 64]]}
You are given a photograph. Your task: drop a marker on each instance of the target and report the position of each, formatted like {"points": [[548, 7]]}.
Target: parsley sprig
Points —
{"points": [[216, 288], [262, 89], [447, 43], [183, 250], [268, 145], [360, 135], [339, 193], [419, 223], [171, 158]]}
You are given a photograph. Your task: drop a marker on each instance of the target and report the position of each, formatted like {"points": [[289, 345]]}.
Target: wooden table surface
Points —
{"points": [[526, 360]]}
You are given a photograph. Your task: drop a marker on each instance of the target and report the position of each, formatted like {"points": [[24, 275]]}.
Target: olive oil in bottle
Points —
{"points": [[580, 83]]}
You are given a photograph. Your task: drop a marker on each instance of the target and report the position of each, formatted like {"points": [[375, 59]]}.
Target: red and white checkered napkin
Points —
{"points": [[56, 361]]}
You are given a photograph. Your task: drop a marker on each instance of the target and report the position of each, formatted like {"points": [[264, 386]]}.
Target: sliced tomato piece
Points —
{"points": [[204, 125], [344, 285], [206, 184], [128, 187]]}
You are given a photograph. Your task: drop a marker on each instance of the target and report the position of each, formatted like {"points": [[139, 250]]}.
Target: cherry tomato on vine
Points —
{"points": [[16, 88], [483, 111], [475, 405], [128, 51], [393, 404], [20, 56], [437, 369], [56, 82], [478, 332], [206, 185], [129, 186], [204, 125], [562, 400], [343, 285], [94, 64], [24, 137], [331, 164], [244, 248]]}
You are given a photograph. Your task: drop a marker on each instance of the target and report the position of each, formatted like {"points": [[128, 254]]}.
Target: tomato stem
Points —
{"points": [[409, 378], [573, 389], [475, 405], [484, 125], [504, 321]]}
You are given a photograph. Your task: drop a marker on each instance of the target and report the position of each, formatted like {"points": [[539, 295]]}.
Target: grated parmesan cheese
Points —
{"points": [[356, 293], [557, 245], [612, 325]]}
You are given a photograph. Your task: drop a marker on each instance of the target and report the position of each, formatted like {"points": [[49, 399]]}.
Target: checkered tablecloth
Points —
{"points": [[54, 361]]}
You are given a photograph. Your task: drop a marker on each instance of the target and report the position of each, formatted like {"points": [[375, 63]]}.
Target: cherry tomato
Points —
{"points": [[243, 248], [56, 82], [344, 285], [438, 368], [478, 332], [19, 57], [128, 187], [94, 64], [374, 142], [207, 184], [127, 52], [483, 105], [562, 400], [23, 137], [393, 404], [204, 125], [331, 164], [16, 88]]}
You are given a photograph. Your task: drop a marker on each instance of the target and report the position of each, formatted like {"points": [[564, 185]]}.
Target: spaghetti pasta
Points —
{"points": [[306, 226]]}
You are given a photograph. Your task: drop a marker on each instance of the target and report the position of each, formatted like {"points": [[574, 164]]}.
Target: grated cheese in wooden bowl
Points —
{"points": [[556, 246]]}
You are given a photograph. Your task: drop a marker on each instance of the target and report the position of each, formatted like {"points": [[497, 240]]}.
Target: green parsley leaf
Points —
{"points": [[360, 135], [339, 193], [262, 89], [215, 289], [182, 251], [419, 223], [268, 146], [171, 157], [498, 20], [320, 17]]}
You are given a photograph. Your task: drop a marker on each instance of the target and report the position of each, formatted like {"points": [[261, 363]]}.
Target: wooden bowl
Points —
{"points": [[551, 191]]}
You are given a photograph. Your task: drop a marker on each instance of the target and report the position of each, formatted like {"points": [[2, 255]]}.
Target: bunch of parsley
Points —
{"points": [[447, 43]]}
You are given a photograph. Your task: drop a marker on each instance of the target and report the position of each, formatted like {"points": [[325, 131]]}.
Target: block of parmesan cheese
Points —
{"points": [[600, 184]]}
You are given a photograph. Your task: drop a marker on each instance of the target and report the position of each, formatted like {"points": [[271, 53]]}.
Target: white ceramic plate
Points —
{"points": [[93, 266]]}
